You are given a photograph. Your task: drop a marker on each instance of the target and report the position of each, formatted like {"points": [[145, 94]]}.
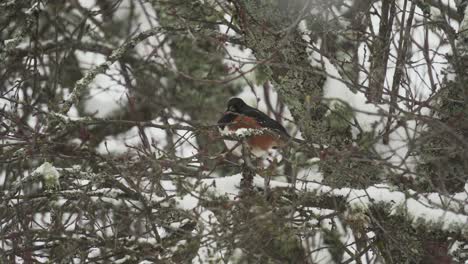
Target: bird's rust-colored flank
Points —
{"points": [[263, 142]]}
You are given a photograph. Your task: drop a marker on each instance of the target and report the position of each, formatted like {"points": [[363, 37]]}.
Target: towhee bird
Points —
{"points": [[240, 115]]}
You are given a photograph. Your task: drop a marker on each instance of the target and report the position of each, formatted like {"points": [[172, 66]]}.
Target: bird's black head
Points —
{"points": [[236, 105]]}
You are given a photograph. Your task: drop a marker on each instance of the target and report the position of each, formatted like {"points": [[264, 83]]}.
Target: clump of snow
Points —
{"points": [[50, 174], [2, 178], [94, 252], [35, 7], [245, 132], [9, 42]]}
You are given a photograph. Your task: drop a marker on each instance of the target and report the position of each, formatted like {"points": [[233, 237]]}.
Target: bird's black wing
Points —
{"points": [[226, 119], [264, 120]]}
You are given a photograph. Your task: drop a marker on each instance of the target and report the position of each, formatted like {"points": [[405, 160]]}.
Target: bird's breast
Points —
{"points": [[263, 142]]}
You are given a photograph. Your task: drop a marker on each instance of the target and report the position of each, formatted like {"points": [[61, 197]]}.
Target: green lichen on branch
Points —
{"points": [[270, 30]]}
